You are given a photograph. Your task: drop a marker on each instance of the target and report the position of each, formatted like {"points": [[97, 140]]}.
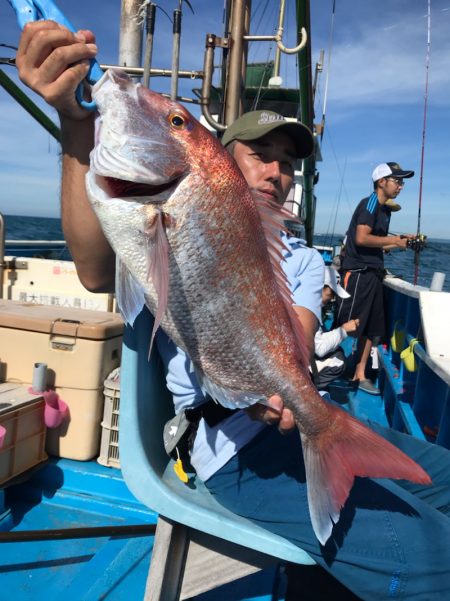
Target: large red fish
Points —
{"points": [[203, 254]]}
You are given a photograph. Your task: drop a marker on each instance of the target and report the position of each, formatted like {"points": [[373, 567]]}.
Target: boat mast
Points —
{"points": [[237, 30], [130, 42], [307, 116], [237, 61]]}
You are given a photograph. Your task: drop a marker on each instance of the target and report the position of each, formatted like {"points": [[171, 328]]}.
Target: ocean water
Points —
{"points": [[19, 227], [435, 257]]}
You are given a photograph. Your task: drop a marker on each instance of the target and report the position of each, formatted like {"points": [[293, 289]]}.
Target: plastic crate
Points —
{"points": [[22, 415], [109, 444]]}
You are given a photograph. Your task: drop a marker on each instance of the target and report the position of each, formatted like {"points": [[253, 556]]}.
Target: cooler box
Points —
{"points": [[80, 348], [23, 438]]}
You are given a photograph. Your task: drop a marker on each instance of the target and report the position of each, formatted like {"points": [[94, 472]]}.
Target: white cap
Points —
{"points": [[390, 169], [332, 280]]}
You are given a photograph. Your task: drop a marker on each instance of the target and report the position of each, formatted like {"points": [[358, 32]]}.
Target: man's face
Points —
{"points": [[268, 164], [327, 295], [391, 186]]}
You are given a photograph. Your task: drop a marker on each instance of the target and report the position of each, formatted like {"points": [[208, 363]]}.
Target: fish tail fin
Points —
{"points": [[334, 458]]}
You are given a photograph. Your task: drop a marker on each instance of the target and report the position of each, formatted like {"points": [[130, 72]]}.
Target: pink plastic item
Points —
{"points": [[55, 409], [2, 436]]}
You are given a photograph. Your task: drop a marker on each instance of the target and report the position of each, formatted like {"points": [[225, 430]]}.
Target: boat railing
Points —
{"points": [[403, 287], [415, 366]]}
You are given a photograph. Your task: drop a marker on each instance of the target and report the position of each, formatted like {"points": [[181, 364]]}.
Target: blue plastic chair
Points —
{"points": [[187, 514]]}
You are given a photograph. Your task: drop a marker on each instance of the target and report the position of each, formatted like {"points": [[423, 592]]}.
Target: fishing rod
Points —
{"points": [[419, 212], [416, 244]]}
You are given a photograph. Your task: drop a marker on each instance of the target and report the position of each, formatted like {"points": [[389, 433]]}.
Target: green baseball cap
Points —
{"points": [[256, 124]]}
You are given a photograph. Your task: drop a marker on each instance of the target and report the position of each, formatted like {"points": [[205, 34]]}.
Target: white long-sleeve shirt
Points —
{"points": [[325, 342]]}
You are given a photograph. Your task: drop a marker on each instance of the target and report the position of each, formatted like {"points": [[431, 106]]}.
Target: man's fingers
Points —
{"points": [[28, 33], [52, 61], [276, 414], [88, 36], [287, 422], [52, 48], [69, 80], [275, 402], [262, 413], [64, 57]]}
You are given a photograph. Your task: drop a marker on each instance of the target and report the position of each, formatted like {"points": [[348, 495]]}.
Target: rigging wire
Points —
{"points": [[322, 102], [419, 211], [258, 97], [331, 229]]}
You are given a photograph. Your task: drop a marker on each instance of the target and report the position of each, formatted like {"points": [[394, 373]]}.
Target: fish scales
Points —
{"points": [[198, 248], [223, 305]]}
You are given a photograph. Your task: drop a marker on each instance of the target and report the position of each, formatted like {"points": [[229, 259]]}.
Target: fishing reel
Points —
{"points": [[416, 244]]}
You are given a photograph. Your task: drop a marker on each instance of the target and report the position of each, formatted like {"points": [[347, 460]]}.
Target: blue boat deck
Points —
{"points": [[69, 494], [65, 494]]}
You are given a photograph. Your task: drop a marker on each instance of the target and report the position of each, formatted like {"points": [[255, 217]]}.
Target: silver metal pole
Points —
{"points": [[130, 43], [150, 30], [175, 52]]}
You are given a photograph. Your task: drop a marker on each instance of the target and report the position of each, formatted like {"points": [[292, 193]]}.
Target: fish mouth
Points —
{"points": [[120, 188]]}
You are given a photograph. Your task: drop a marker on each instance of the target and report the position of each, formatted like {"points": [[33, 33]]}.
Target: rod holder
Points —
{"points": [[39, 383], [437, 282]]}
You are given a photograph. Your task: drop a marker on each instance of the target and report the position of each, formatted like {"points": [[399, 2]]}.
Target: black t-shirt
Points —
{"points": [[369, 212]]}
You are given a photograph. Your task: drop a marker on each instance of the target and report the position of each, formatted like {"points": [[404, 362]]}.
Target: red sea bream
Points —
{"points": [[204, 254]]}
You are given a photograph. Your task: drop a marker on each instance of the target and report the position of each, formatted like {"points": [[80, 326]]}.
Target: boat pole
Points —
{"points": [[31, 108], [130, 42], [239, 26]]}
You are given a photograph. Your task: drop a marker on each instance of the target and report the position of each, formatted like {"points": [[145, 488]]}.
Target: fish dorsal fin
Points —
{"points": [[273, 222], [158, 266], [129, 294]]}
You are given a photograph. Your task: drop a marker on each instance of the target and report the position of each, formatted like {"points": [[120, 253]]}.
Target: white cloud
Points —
{"points": [[378, 64]]}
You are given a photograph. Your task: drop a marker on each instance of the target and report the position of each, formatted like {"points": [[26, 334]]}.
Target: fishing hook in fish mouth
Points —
{"points": [[120, 188]]}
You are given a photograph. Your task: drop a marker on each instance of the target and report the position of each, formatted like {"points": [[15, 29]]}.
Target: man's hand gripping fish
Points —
{"points": [[204, 255]]}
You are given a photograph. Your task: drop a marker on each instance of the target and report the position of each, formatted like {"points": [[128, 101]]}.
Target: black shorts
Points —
{"points": [[365, 302]]}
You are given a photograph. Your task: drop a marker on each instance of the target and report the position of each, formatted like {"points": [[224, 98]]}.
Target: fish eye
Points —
{"points": [[177, 121]]}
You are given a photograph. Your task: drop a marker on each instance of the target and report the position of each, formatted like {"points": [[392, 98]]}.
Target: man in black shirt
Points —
{"points": [[363, 264]]}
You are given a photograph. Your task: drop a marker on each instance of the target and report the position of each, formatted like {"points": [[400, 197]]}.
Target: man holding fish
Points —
{"points": [[172, 191]]}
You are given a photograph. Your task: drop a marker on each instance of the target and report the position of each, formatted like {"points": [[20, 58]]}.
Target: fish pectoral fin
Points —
{"points": [[231, 399], [129, 294], [334, 458], [158, 264]]}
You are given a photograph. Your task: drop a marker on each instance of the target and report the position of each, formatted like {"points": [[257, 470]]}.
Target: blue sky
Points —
{"points": [[374, 106]]}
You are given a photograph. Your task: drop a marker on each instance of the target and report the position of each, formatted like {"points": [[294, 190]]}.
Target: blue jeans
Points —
{"points": [[393, 538]]}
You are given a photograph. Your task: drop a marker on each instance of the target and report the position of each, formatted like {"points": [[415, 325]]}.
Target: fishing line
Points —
{"points": [[254, 51], [333, 230], [419, 211], [330, 46]]}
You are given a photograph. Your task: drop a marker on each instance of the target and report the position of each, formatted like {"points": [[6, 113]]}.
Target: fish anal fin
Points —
{"points": [[273, 222], [332, 460]]}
